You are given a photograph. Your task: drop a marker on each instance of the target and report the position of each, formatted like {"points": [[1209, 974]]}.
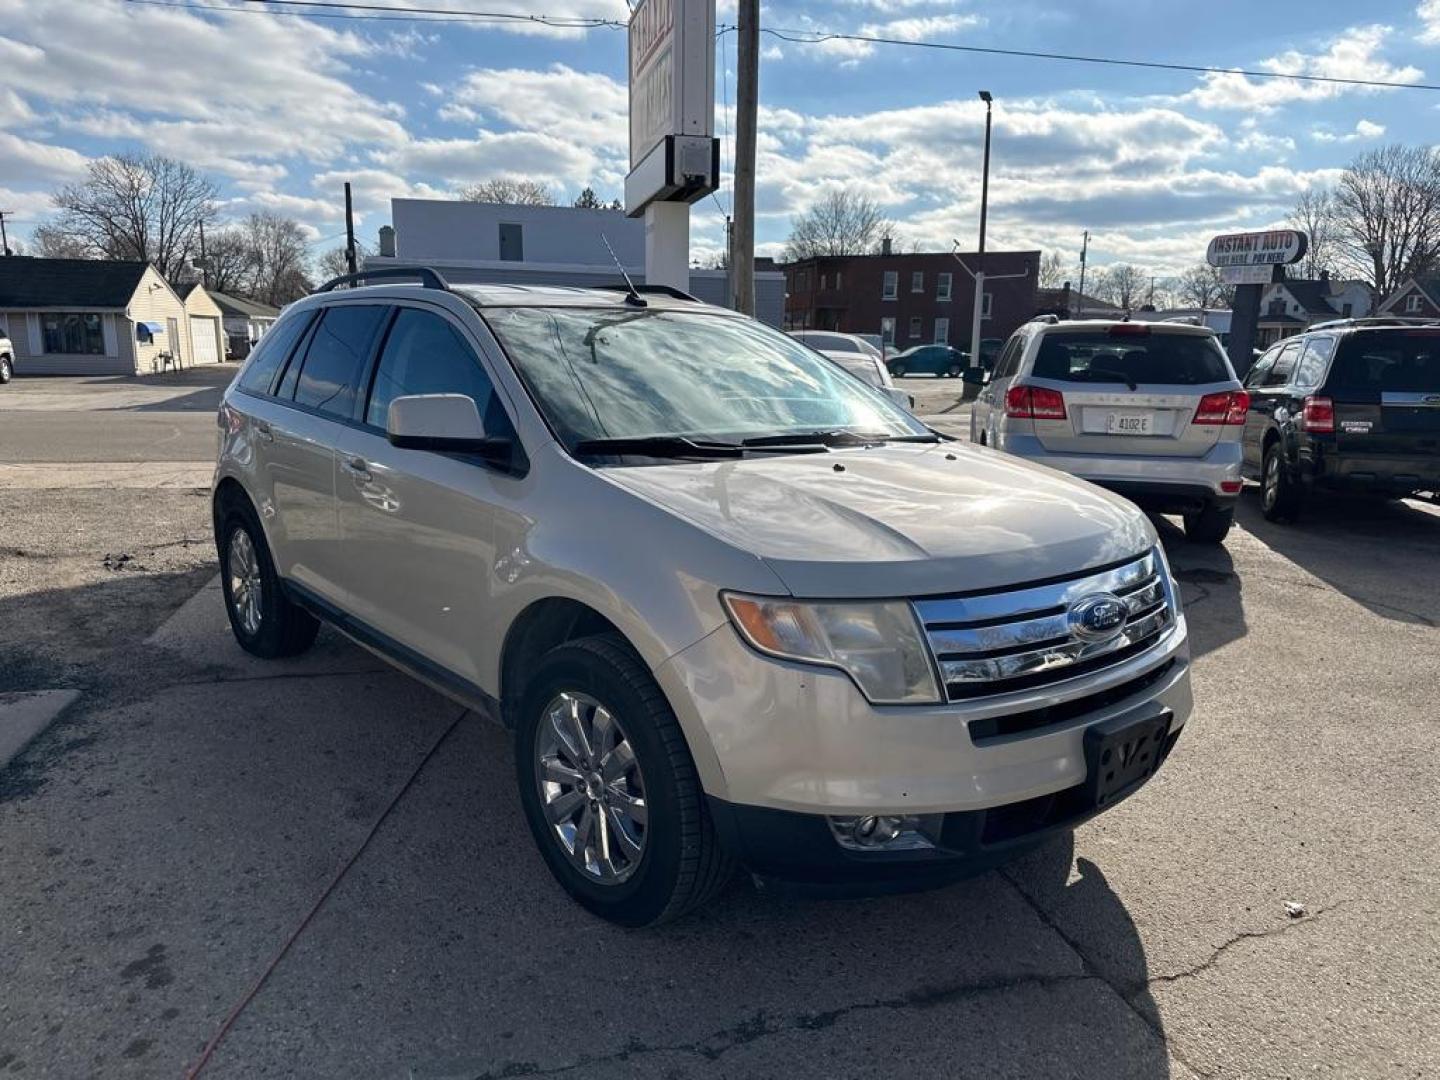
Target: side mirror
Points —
{"points": [[449, 423]]}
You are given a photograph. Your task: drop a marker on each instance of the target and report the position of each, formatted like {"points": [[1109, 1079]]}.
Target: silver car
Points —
{"points": [[1152, 411], [857, 356], [735, 605]]}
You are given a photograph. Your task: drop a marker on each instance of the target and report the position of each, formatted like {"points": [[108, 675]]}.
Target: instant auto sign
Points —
{"points": [[1278, 247]]}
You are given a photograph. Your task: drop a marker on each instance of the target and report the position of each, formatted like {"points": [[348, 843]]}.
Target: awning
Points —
{"points": [[152, 327]]}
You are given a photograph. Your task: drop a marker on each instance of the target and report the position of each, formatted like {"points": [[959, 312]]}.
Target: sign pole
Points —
{"points": [[667, 245], [1250, 262]]}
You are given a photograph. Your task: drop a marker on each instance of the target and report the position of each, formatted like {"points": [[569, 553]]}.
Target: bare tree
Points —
{"points": [[279, 254], [1314, 215], [505, 190], [1201, 286], [52, 243], [230, 263], [842, 223], [1122, 284], [1052, 270], [136, 206], [1387, 215], [333, 264]]}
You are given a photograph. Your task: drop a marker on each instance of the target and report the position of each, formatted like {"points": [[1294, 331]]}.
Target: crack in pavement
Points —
{"points": [[761, 1025], [1244, 935]]}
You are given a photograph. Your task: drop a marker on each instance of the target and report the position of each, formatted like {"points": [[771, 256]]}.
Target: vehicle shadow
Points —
{"points": [[1210, 589], [1380, 553]]}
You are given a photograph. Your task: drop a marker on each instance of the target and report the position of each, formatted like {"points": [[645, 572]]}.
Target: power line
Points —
{"points": [[818, 37]]}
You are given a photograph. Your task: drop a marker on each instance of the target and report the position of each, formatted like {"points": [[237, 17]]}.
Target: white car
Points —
{"points": [[857, 356], [735, 606], [7, 360]]}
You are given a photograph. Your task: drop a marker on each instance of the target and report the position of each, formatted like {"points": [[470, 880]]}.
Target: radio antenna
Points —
{"points": [[633, 296]]}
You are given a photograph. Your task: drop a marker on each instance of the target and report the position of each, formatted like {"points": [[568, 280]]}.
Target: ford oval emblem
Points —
{"points": [[1097, 617]]}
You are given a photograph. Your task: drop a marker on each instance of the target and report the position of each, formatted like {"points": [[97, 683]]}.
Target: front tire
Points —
{"points": [[7, 370], [1209, 526], [264, 620], [609, 788], [897, 371], [1279, 492]]}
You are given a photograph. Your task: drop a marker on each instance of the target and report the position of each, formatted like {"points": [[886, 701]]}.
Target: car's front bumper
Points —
{"points": [[1150, 481], [781, 747]]}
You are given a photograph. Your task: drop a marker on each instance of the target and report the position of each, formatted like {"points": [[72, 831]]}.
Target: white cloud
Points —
{"points": [[1429, 13], [920, 28], [24, 160], [1364, 129], [1352, 54]]}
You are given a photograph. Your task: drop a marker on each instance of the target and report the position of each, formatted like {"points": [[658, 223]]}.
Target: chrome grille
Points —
{"points": [[995, 642]]}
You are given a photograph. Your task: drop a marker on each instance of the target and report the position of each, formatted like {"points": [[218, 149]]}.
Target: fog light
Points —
{"points": [[885, 832], [1231, 487]]}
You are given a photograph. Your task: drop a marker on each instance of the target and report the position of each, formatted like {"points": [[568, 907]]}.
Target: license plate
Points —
{"points": [[1129, 424], [1122, 753]]}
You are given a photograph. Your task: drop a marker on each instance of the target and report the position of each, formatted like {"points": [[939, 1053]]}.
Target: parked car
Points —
{"points": [[857, 356], [1152, 411], [930, 360], [1351, 405], [733, 605], [7, 360]]}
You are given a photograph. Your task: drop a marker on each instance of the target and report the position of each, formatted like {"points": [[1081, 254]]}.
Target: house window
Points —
{"points": [[917, 281], [512, 243], [887, 331], [942, 331], [1413, 303], [914, 326], [838, 279], [985, 305], [822, 283], [892, 285], [1345, 310], [73, 334], [943, 286]]}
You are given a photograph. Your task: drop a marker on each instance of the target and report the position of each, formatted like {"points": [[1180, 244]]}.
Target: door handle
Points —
{"points": [[262, 429], [358, 469]]}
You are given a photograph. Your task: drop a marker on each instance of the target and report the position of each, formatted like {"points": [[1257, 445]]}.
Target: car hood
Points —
{"points": [[898, 520]]}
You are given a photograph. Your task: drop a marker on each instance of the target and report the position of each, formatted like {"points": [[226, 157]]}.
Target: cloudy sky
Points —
{"points": [[281, 109]]}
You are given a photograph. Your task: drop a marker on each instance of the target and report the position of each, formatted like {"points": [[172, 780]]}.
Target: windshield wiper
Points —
{"points": [[660, 446], [1118, 376], [838, 437]]}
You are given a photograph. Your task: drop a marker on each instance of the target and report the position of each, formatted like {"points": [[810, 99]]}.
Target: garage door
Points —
{"points": [[205, 339]]}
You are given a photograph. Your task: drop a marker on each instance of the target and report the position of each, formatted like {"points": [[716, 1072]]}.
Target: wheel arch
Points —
{"points": [[540, 627]]}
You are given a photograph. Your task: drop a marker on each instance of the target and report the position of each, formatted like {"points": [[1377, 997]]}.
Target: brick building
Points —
{"points": [[913, 299]]}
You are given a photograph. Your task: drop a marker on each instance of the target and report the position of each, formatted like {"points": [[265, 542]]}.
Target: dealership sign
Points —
{"points": [[1248, 275], [672, 72], [1278, 247]]}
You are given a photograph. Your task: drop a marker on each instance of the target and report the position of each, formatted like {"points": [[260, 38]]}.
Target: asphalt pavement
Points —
{"points": [[1266, 907]]}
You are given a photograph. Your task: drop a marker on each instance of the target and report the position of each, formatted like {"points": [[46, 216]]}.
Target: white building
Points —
{"points": [[472, 243]]}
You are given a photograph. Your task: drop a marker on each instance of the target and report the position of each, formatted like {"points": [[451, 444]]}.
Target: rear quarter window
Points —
{"points": [[1131, 357], [1400, 361]]}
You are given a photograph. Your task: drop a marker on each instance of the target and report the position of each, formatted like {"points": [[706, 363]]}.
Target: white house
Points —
{"points": [[91, 317], [471, 242], [245, 322], [1289, 307]]}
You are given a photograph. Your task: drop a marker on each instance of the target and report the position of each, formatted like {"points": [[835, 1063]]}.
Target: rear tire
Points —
{"points": [[680, 863], [897, 371], [264, 620], [7, 370], [954, 371], [1279, 493], [1209, 526]]}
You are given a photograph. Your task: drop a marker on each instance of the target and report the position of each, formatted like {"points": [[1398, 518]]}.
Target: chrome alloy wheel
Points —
{"points": [[1270, 488], [591, 788], [246, 587]]}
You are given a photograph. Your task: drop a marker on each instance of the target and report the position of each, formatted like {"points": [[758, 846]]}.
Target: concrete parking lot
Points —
{"points": [[196, 820]]}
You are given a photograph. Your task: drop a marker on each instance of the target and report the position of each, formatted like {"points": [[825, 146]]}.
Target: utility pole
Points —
{"points": [[1084, 250], [4, 240], [349, 231], [979, 313], [204, 262], [747, 104]]}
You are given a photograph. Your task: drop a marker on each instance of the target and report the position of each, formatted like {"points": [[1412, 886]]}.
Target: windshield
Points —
{"points": [[1407, 361], [1133, 358], [608, 374]]}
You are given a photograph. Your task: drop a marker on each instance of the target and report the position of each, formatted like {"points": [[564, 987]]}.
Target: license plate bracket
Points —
{"points": [[1122, 753], [1118, 423]]}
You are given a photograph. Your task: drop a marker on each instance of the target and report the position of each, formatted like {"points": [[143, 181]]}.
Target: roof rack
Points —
{"points": [[1375, 320], [1047, 318], [429, 277], [654, 290]]}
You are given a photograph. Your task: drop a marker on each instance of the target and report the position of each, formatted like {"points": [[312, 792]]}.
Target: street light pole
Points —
{"points": [[978, 313]]}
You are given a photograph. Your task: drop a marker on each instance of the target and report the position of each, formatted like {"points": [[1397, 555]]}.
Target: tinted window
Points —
{"points": [[1262, 368], [1401, 361], [1005, 366], [259, 374], [1310, 371], [424, 354], [1279, 375], [335, 358], [1131, 357]]}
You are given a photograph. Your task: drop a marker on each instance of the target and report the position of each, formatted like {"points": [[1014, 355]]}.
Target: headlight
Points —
{"points": [[877, 644]]}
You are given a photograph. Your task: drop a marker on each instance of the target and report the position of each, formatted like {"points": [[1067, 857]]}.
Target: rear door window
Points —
{"points": [[335, 359], [1405, 361], [1310, 371], [1132, 357]]}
